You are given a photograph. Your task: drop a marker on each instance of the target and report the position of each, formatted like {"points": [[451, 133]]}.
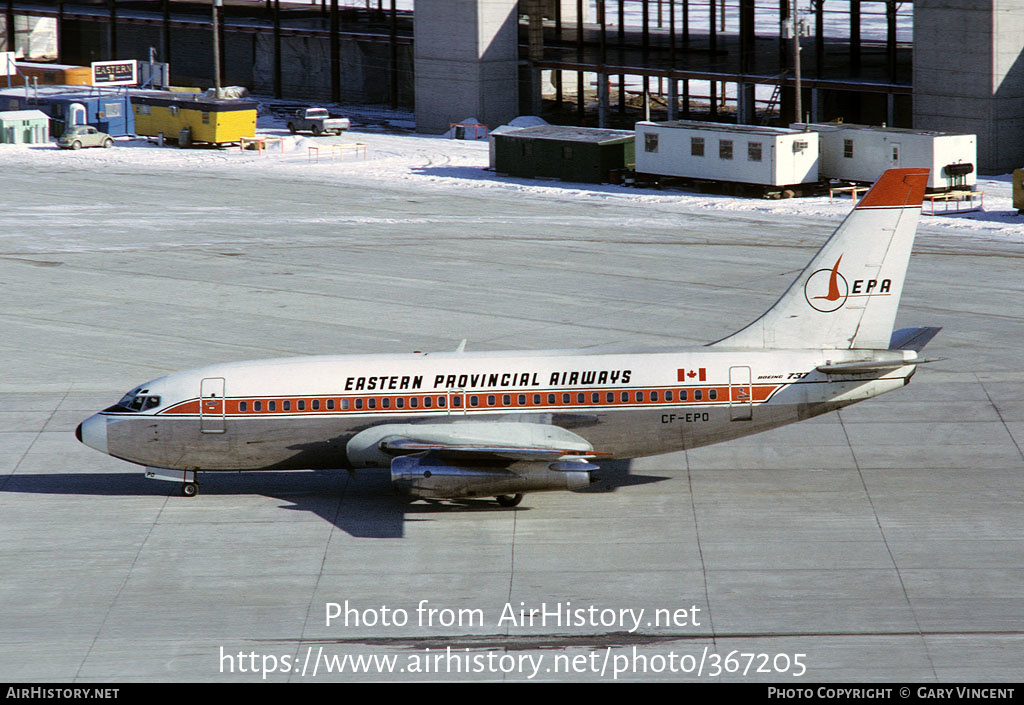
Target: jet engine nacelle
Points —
{"points": [[428, 476]]}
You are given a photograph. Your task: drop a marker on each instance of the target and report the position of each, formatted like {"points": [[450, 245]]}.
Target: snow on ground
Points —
{"points": [[460, 167]]}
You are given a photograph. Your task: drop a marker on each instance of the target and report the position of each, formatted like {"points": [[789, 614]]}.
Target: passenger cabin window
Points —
{"points": [[712, 394], [698, 394], [316, 405], [286, 406], [654, 396], [400, 403], [243, 407], [301, 404], [257, 406], [414, 402], [427, 402]]}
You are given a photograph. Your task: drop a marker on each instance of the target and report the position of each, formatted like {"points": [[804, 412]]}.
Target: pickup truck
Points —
{"points": [[317, 121]]}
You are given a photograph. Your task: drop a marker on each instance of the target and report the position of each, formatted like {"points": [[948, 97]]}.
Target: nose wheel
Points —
{"points": [[509, 500], [190, 489]]}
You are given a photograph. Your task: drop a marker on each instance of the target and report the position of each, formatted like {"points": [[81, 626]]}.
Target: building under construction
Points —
{"points": [[951, 65]]}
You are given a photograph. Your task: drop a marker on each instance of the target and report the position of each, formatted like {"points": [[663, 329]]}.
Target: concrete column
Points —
{"points": [[467, 58], [969, 75]]}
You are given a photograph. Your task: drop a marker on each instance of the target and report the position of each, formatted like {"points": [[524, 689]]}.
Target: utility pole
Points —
{"points": [[216, 49], [795, 27]]}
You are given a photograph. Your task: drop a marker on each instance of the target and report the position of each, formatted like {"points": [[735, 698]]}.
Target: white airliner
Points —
{"points": [[499, 424]]}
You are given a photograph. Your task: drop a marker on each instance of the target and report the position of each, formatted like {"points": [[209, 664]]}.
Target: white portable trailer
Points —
{"points": [[771, 157], [862, 152]]}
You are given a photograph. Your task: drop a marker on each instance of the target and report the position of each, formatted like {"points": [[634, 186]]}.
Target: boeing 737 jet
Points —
{"points": [[500, 424]]}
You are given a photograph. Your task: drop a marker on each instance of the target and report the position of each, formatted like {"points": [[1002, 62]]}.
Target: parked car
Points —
{"points": [[84, 136], [318, 121]]}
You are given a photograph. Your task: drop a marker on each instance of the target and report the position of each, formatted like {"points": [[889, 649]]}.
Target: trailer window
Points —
{"points": [[848, 149], [754, 151], [697, 146], [650, 142], [725, 149]]}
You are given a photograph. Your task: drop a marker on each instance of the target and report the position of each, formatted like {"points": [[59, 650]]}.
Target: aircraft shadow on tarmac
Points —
{"points": [[365, 506]]}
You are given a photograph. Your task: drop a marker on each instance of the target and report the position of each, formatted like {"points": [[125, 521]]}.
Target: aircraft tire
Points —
{"points": [[509, 500], [190, 489]]}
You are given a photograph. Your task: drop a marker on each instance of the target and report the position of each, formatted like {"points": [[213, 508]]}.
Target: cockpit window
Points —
{"points": [[138, 399]]}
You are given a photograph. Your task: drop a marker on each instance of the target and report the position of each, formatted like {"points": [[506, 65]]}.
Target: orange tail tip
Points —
{"points": [[897, 188]]}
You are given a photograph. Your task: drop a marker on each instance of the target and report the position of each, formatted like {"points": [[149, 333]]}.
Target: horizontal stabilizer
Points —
{"points": [[867, 366], [913, 338]]}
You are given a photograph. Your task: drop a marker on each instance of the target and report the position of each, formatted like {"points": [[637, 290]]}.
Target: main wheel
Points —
{"points": [[509, 500], [190, 489]]}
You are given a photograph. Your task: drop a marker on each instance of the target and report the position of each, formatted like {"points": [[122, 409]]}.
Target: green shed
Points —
{"points": [[584, 154], [24, 127]]}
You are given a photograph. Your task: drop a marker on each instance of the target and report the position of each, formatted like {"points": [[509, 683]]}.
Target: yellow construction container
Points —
{"points": [[192, 118]]}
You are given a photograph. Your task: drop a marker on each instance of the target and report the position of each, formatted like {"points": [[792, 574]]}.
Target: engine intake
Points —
{"points": [[428, 475]]}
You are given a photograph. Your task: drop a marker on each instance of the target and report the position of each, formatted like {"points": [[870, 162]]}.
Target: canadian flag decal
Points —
{"points": [[685, 375]]}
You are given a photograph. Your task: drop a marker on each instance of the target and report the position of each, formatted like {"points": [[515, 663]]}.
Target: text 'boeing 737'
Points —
{"points": [[500, 424]]}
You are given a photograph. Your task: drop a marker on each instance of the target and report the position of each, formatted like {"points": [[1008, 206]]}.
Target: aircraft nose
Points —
{"points": [[93, 432]]}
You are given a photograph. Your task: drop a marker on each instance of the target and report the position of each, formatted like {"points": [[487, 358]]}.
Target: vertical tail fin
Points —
{"points": [[848, 295]]}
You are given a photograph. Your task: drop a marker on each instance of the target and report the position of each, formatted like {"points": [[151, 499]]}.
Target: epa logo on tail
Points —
{"points": [[827, 290]]}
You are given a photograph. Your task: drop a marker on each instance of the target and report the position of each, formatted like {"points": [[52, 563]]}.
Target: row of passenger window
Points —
{"points": [[478, 400]]}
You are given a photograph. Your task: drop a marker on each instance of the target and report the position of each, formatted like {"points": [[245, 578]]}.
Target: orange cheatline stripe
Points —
{"points": [[760, 393]]}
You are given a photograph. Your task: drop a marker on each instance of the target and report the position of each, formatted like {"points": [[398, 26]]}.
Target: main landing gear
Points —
{"points": [[187, 478], [509, 500]]}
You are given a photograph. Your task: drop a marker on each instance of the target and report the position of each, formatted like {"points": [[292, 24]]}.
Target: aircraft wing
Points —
{"points": [[402, 446], [482, 442]]}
